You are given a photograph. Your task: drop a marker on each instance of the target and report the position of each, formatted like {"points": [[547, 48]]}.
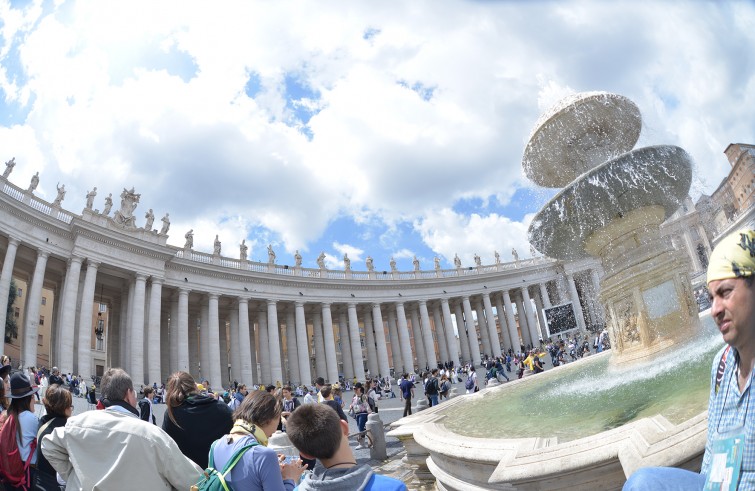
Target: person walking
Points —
{"points": [[407, 393]]}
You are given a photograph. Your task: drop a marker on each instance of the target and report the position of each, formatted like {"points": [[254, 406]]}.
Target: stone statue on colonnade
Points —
{"points": [[393, 264], [90, 200], [34, 183], [270, 254], [477, 260], [150, 216], [166, 224], [346, 262], [189, 239], [129, 202], [61, 194], [9, 165], [108, 203], [497, 257], [243, 250], [370, 264], [415, 262], [457, 261], [297, 259], [436, 260], [514, 254], [321, 260], [216, 246]]}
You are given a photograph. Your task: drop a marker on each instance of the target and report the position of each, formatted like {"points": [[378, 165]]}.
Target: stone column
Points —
{"points": [[704, 237], [302, 345], [403, 334], [540, 316], [223, 341], [235, 343], [266, 371], [321, 365], [125, 326], [474, 344], [33, 303], [523, 325], [194, 336], [427, 335], [183, 330], [246, 358], [215, 372], [331, 360], [356, 342], [68, 317], [137, 328], [516, 342], [692, 252], [166, 348], [252, 340], [576, 303], [599, 313], [174, 339], [204, 339], [448, 328], [292, 352], [531, 319], [461, 328], [343, 338], [153, 332], [495, 341], [544, 295], [369, 341], [85, 320], [382, 349], [440, 334], [398, 364], [7, 274], [483, 328], [419, 345], [273, 339], [505, 336]]}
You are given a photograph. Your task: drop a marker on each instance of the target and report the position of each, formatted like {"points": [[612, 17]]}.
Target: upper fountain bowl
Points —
{"points": [[579, 133], [657, 176]]}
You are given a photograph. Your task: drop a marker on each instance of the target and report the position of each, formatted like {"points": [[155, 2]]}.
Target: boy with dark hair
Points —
{"points": [[317, 432]]}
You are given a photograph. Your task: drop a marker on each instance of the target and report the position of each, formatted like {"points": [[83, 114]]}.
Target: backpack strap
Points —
{"points": [[721, 369]]}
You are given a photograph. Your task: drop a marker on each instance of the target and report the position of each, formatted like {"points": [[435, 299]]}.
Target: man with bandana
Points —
{"points": [[729, 461], [115, 449]]}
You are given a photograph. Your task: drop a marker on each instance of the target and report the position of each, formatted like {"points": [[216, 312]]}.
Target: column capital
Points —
{"points": [[182, 291], [486, 295], [75, 259], [13, 241], [157, 281], [43, 253], [326, 304], [139, 276], [375, 304], [422, 302], [351, 305], [298, 303], [243, 299], [91, 263], [213, 296], [271, 302]]}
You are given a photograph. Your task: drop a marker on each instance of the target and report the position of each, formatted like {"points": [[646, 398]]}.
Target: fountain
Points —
{"points": [[611, 207]]}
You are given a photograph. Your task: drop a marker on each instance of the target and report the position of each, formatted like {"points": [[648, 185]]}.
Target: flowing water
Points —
{"points": [[589, 397]]}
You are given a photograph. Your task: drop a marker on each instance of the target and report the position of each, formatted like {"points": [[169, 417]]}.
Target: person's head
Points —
{"points": [[117, 385], [148, 392], [242, 389], [731, 272], [179, 386], [261, 409], [319, 382], [58, 401], [434, 371], [325, 392], [316, 431], [358, 388], [287, 392], [270, 388], [405, 376]]}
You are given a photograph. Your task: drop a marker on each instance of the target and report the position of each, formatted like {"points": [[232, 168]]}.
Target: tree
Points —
{"points": [[11, 329]]}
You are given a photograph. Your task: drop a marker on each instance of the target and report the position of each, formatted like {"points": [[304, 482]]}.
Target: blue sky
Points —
{"points": [[390, 131]]}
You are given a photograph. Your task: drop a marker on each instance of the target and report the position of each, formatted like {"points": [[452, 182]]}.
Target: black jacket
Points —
{"points": [[337, 408], [45, 478], [201, 420]]}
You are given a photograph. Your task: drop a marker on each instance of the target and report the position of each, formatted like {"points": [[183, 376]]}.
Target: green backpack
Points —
{"points": [[213, 480]]}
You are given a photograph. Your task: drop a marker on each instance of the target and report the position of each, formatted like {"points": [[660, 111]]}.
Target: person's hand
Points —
{"points": [[292, 470]]}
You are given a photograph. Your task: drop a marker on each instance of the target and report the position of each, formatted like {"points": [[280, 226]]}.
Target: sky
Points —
{"points": [[389, 129]]}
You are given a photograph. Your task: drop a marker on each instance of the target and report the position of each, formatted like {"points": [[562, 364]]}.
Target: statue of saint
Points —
{"points": [[108, 204], [415, 262], [370, 265], [129, 201], [216, 247], [189, 239], [321, 260], [514, 254], [270, 254], [90, 199], [297, 259], [243, 250], [166, 224], [150, 216], [437, 263], [457, 261], [61, 194], [346, 262], [9, 165], [497, 257], [393, 264], [34, 183], [477, 260]]}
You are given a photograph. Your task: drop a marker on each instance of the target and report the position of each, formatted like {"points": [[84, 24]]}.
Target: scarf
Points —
{"points": [[244, 428], [123, 404]]}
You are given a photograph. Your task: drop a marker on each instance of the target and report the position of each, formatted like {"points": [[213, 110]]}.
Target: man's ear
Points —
{"points": [[305, 456], [344, 428]]}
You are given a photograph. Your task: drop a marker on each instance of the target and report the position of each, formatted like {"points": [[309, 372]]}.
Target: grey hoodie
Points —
{"points": [[351, 479]]}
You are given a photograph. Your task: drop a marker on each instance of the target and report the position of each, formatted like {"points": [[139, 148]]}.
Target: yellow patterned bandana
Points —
{"points": [[733, 257]]}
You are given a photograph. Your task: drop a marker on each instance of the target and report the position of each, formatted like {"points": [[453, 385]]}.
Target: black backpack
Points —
{"points": [[431, 387]]}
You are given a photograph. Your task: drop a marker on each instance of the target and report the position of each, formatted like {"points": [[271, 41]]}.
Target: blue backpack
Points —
{"points": [[469, 384]]}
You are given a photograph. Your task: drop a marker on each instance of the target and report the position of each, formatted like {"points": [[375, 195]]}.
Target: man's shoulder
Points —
{"points": [[384, 483]]}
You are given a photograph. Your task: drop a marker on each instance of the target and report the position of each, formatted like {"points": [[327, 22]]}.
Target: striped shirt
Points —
{"points": [[728, 409]]}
